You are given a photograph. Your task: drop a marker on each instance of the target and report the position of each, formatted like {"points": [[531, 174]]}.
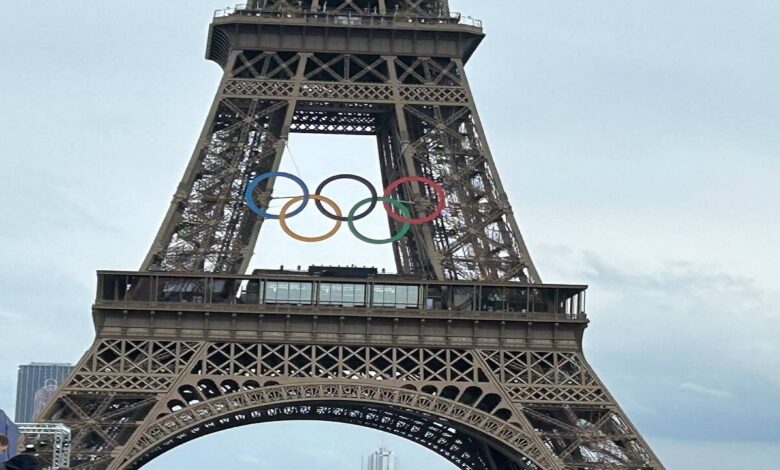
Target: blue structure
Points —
{"points": [[10, 429]]}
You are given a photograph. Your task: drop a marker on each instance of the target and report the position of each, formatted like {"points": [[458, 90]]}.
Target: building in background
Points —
{"points": [[11, 431], [36, 384], [382, 459]]}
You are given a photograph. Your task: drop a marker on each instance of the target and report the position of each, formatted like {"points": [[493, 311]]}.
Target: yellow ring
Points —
{"points": [[286, 229]]}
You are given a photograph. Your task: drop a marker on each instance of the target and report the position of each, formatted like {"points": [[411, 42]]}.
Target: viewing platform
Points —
{"points": [[302, 30], [348, 17], [304, 290], [338, 304]]}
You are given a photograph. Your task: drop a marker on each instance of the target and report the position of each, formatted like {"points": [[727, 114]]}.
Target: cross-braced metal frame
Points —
{"points": [[420, 109], [479, 408], [481, 363]]}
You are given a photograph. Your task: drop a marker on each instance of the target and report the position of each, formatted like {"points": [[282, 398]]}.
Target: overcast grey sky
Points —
{"points": [[638, 141]]}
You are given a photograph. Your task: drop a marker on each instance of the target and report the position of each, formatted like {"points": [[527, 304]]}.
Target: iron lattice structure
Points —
{"points": [[419, 107], [473, 358]]}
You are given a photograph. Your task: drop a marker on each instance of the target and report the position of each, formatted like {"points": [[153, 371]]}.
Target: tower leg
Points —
{"points": [[208, 226]]}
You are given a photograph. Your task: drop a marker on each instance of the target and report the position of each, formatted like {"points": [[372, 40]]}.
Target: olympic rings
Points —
{"points": [[318, 198], [395, 208], [401, 233], [365, 182], [256, 209], [421, 220]]}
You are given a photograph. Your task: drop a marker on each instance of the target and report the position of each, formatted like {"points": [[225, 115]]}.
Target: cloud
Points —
{"points": [[693, 455], [251, 460], [47, 313], [678, 344], [696, 388], [41, 205]]}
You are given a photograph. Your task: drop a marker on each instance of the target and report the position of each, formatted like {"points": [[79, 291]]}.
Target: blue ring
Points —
{"points": [[252, 205]]}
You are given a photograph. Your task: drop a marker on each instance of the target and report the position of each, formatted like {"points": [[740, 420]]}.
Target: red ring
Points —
{"points": [[421, 220]]}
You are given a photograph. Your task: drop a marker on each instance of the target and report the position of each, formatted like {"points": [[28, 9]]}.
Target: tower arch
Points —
{"points": [[466, 436]]}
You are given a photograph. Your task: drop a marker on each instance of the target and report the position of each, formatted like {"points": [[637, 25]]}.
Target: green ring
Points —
{"points": [[401, 207]]}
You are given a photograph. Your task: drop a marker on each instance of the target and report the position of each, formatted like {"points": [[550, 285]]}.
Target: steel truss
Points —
{"points": [[423, 115], [131, 400], [417, 8], [159, 376]]}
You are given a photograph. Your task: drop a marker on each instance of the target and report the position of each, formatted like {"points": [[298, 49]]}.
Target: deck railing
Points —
{"points": [[385, 292], [347, 18]]}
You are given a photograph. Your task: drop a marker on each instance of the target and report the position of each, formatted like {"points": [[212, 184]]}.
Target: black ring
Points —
{"points": [[357, 178]]}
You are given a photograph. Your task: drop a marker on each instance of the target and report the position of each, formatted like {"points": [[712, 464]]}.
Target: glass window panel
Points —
{"points": [[492, 299], [379, 295], [517, 299], [270, 291], [253, 291], [463, 298], [360, 294], [537, 301], [348, 293], [324, 294], [295, 292], [336, 295], [284, 291], [389, 295], [306, 293], [413, 296], [433, 301], [401, 296]]}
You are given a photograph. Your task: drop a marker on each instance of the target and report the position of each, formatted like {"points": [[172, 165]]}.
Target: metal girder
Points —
{"points": [[423, 115], [419, 8], [531, 409]]}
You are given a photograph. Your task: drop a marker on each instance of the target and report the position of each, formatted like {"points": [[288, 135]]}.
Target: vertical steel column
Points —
{"points": [[420, 236], [284, 137]]}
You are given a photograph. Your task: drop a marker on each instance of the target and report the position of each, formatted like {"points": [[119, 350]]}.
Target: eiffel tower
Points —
{"points": [[463, 351]]}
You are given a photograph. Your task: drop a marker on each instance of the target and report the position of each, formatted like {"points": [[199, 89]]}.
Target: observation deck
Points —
{"points": [[301, 30], [311, 308]]}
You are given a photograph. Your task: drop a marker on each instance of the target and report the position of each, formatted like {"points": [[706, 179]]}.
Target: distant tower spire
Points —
{"points": [[382, 459]]}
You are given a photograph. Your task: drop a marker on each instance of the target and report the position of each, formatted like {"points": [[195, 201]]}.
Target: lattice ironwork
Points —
{"points": [[312, 119], [588, 437], [434, 95], [209, 227], [158, 394], [265, 65], [459, 448], [149, 357], [508, 390], [345, 93], [427, 126], [400, 405], [540, 368], [340, 362], [565, 402], [261, 88], [120, 383], [429, 71], [406, 8]]}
